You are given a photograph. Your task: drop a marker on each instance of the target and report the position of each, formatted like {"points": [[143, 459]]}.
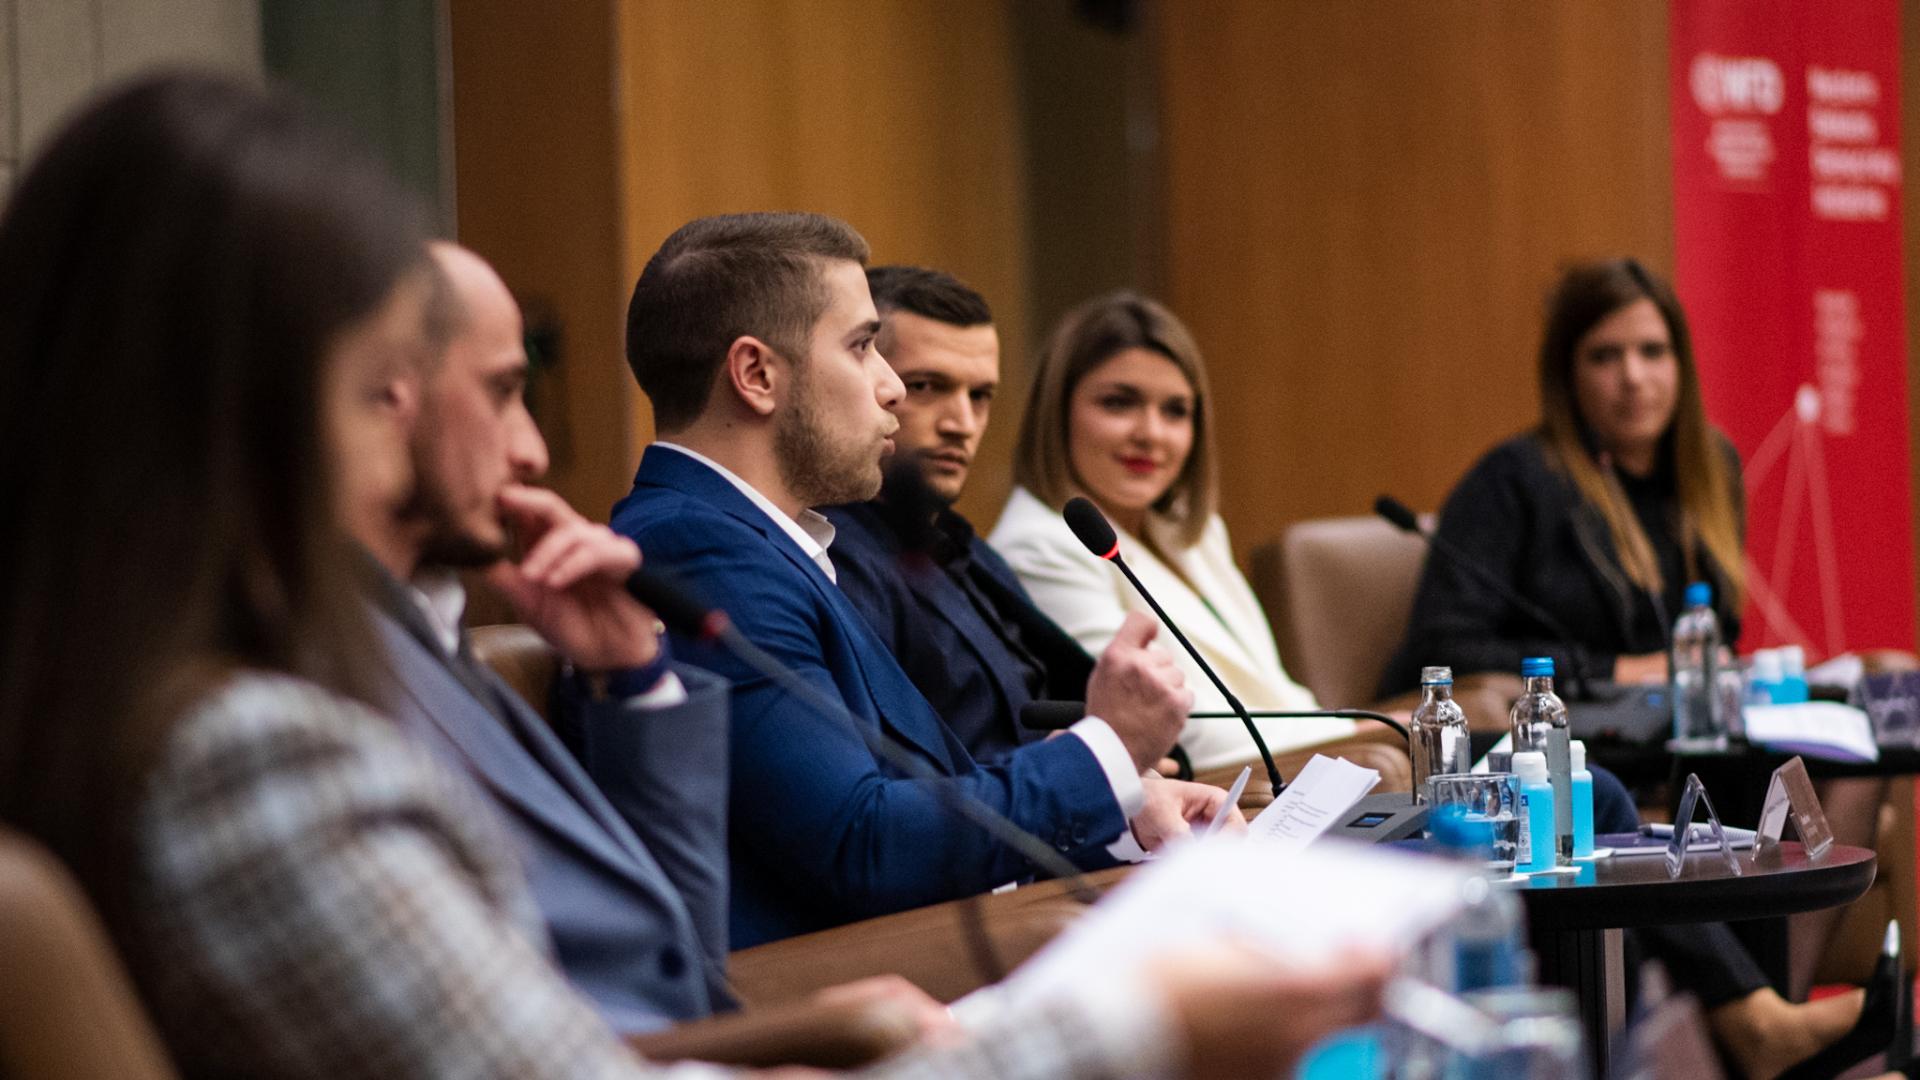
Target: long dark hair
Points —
{"points": [[173, 271], [1586, 294]]}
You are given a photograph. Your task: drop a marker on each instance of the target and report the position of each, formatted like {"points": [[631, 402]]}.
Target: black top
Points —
{"points": [[1522, 519], [959, 622]]}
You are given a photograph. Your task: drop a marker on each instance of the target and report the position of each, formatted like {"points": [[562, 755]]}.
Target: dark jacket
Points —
{"points": [[821, 831], [970, 663], [1519, 517]]}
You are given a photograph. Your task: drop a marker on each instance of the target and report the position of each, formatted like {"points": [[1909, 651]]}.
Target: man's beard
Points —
{"points": [[815, 469], [446, 542]]}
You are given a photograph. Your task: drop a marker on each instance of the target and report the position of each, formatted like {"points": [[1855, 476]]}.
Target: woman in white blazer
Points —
{"points": [[1119, 413]]}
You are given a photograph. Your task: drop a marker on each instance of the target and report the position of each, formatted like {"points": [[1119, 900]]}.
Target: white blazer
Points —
{"points": [[1089, 598]]}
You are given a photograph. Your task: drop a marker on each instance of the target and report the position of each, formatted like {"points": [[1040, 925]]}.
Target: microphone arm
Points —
{"points": [[669, 601], [1050, 715], [1400, 517], [1239, 710], [1338, 714]]}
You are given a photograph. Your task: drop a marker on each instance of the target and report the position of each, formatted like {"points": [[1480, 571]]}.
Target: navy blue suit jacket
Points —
{"points": [[961, 659], [638, 924], [822, 833]]}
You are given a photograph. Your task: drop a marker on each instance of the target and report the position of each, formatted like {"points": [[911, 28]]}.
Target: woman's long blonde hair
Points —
{"points": [[1586, 294], [1085, 338]]}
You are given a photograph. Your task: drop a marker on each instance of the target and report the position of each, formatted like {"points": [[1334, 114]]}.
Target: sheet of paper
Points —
{"points": [[1820, 729], [1313, 803], [1306, 907]]}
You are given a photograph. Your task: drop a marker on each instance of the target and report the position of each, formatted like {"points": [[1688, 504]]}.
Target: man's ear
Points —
{"points": [[756, 374]]}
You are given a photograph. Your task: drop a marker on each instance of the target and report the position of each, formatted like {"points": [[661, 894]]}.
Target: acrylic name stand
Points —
{"points": [[1696, 796], [1790, 796]]}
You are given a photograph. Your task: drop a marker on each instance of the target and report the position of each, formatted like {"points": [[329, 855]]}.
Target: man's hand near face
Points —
{"points": [[571, 584]]}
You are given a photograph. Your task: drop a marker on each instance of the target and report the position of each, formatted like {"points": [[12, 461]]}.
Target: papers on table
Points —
{"points": [[1818, 729], [1653, 840], [1316, 800], [1308, 907]]}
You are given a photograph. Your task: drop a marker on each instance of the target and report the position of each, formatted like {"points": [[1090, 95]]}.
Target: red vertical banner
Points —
{"points": [[1786, 175]]}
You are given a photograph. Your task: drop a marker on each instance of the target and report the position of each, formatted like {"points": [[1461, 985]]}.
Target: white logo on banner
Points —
{"points": [[1737, 84], [1739, 92]]}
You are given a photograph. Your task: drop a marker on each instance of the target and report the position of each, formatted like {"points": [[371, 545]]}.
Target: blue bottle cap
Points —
{"points": [[1536, 665], [1699, 594]]}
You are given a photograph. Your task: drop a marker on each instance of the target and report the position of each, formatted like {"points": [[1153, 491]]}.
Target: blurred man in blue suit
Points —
{"points": [[753, 336], [638, 918]]}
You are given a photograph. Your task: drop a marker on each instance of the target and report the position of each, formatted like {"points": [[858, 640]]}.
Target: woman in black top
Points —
{"points": [[1600, 517], [1603, 514]]}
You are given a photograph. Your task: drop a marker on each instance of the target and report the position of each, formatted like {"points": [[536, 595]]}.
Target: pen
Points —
{"points": [[1233, 800]]}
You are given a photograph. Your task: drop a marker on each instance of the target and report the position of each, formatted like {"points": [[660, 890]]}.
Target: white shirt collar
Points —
{"points": [[812, 531], [443, 599]]}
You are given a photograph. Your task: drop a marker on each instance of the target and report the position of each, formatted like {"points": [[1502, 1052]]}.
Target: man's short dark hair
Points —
{"points": [[717, 279], [932, 294]]}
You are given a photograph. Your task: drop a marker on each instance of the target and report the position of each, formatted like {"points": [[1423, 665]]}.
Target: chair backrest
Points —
{"points": [[1338, 592], [67, 1009], [522, 659]]}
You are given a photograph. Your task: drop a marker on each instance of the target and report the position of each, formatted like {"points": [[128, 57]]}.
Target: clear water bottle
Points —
{"points": [[1733, 694], [1539, 720], [1699, 719], [1489, 942], [1439, 733]]}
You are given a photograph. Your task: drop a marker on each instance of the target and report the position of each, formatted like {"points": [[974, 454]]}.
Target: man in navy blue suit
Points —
{"points": [[753, 336], [946, 604]]}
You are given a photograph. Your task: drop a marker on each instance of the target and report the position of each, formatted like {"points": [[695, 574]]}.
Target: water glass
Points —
{"points": [[1488, 798], [1537, 1035]]}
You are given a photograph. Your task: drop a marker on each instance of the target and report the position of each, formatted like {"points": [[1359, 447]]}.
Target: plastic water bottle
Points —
{"points": [[1582, 801], [1539, 720], [1482, 948], [1698, 719], [1537, 853], [1439, 733]]}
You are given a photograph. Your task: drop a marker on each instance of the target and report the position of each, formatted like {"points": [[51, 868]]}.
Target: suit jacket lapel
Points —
{"points": [[533, 781]]}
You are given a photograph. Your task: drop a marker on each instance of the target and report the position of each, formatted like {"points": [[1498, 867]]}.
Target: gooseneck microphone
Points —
{"points": [[1091, 528], [1398, 515], [680, 611]]}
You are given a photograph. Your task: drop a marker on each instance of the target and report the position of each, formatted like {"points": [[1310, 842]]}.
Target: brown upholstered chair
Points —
{"points": [[522, 659], [67, 1010], [1339, 592]]}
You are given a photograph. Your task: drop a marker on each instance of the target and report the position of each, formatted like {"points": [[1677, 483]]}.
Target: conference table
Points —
{"points": [[1576, 921], [1575, 925]]}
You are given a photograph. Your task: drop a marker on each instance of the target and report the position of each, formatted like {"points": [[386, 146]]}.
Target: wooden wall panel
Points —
{"points": [[899, 117], [1365, 205], [537, 193]]}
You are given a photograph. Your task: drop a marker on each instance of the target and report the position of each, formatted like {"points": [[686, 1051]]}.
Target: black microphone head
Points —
{"points": [[1050, 715], [1397, 513], [670, 600], [1091, 527]]}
